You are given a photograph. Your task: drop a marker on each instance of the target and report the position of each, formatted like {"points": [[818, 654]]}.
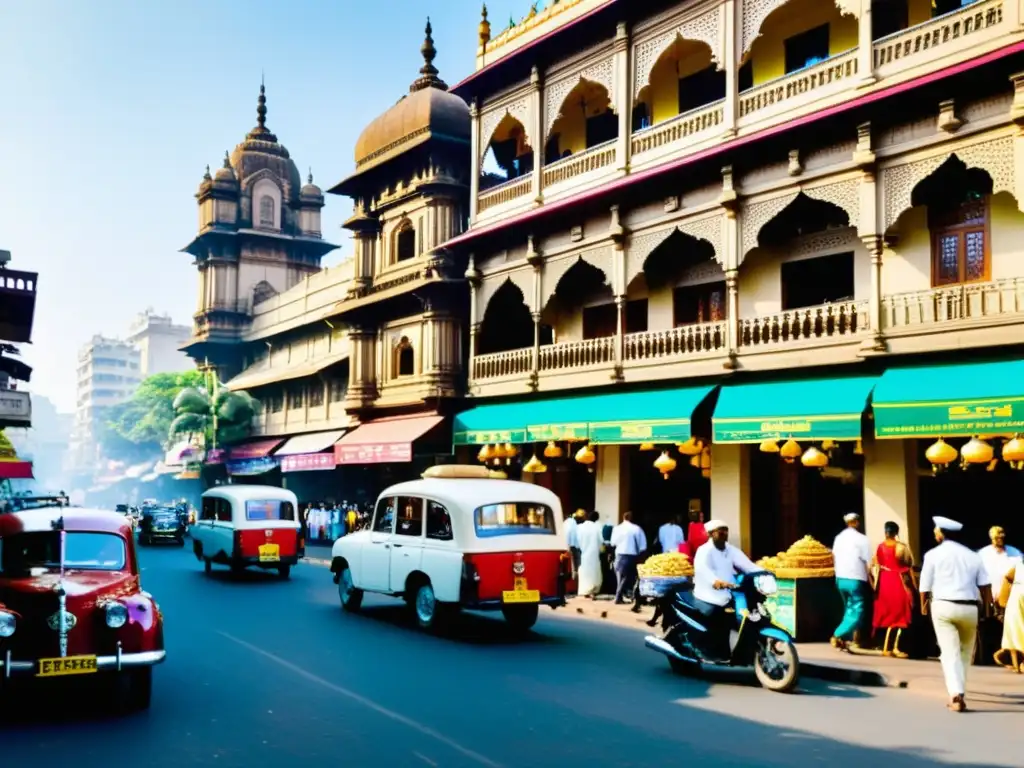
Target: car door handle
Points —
{"points": [[387, 546], [398, 546]]}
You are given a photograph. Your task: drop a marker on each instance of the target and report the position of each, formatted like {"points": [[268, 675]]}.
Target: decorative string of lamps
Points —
{"points": [[976, 451], [813, 457]]}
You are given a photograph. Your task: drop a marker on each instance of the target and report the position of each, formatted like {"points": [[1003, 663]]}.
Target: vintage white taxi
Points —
{"points": [[459, 538], [248, 525]]}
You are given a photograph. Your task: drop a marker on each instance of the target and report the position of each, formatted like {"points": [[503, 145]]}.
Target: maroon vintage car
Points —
{"points": [[71, 602]]}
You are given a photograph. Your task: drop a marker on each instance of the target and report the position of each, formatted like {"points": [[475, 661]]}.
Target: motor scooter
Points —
{"points": [[754, 639]]}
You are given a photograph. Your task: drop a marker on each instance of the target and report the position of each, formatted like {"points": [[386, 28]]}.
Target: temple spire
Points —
{"points": [[484, 30], [261, 131], [428, 72]]}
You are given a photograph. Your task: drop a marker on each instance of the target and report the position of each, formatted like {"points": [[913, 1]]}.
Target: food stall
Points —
{"points": [[807, 603]]}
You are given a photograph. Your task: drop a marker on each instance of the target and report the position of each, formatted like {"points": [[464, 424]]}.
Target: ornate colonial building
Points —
{"points": [[745, 221], [259, 235]]}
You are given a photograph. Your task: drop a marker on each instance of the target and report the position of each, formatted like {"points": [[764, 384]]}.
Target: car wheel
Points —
{"points": [[134, 689], [284, 571], [521, 618], [351, 597], [428, 611]]}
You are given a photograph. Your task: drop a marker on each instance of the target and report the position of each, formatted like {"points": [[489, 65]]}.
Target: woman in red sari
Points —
{"points": [[695, 534], [894, 586]]}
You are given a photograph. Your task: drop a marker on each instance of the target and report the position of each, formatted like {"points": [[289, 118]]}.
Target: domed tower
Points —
{"points": [[259, 234], [410, 190]]}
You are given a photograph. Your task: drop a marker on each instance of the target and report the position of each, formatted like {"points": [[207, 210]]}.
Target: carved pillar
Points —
{"points": [[624, 96], [875, 244], [870, 233], [536, 132], [366, 229], [536, 260], [731, 256], [618, 235], [473, 278], [732, 318], [475, 165], [731, 63], [865, 46], [362, 379]]}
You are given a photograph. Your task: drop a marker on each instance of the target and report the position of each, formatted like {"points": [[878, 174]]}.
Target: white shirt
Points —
{"points": [[951, 571], [628, 538], [570, 534], [670, 536], [712, 564], [998, 564], [852, 554]]}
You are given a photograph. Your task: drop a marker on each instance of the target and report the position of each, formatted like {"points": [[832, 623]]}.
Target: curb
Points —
{"points": [[837, 673]]}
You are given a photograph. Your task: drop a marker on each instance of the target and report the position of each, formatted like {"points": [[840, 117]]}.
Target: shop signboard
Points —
{"points": [[373, 453], [626, 432], [216, 456], [487, 437], [834, 427], [959, 419], [782, 605], [307, 462], [250, 467], [542, 433]]}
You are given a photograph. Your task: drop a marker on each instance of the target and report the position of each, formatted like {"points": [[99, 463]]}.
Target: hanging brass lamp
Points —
{"points": [[977, 451], [665, 464], [769, 446], [486, 454], [586, 455], [534, 465], [940, 455], [553, 450], [790, 451], [691, 447], [1013, 452], [646, 446], [814, 458]]}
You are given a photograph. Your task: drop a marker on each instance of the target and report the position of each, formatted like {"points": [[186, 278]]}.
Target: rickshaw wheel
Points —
{"points": [[520, 618], [351, 598], [426, 607]]}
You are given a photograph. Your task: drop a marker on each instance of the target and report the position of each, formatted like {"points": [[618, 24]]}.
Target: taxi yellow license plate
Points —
{"points": [[520, 593], [69, 665], [270, 553]]}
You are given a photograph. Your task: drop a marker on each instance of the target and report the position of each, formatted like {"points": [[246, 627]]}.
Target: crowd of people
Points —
{"points": [[328, 521]]}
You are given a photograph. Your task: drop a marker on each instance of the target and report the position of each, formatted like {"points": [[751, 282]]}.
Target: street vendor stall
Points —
{"points": [[807, 602]]}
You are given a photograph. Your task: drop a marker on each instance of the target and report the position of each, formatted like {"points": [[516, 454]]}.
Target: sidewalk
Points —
{"points": [[867, 668]]}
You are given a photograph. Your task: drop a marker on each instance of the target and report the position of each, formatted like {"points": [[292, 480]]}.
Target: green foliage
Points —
{"points": [[138, 428], [194, 412]]}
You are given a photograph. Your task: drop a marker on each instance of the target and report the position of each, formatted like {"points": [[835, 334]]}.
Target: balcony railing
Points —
{"points": [[1000, 298], [592, 159], [679, 128], [577, 354], [942, 34], [672, 343], [505, 193], [515, 362], [821, 323], [806, 81]]}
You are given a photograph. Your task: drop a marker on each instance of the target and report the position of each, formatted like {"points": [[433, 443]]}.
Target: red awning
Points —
{"points": [[16, 470], [385, 441], [255, 450]]}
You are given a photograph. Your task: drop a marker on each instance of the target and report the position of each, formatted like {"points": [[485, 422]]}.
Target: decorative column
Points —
{"points": [[473, 278], [624, 96], [366, 230], [537, 137], [617, 233], [1017, 116], [362, 378], [868, 228], [865, 46], [731, 63], [729, 200], [476, 161], [536, 260]]}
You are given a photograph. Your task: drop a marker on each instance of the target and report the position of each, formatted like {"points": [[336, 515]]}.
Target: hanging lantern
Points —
{"points": [[695, 461], [509, 452], [553, 450], [940, 455], [977, 451], [790, 451], [534, 465], [691, 447], [586, 455], [665, 464], [858, 448], [486, 454], [1013, 453], [769, 446], [647, 446], [706, 474], [829, 445], [814, 458]]}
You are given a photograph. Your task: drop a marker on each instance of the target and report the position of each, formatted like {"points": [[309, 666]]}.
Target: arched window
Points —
{"points": [[267, 211], [406, 358], [405, 243]]}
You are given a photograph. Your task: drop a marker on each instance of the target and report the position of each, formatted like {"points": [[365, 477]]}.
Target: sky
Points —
{"points": [[111, 109]]}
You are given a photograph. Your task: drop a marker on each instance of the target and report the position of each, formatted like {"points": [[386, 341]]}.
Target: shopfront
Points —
{"points": [[307, 466], [252, 464]]}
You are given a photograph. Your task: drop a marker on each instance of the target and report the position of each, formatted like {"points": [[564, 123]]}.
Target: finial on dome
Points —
{"points": [[309, 179], [227, 159], [207, 176], [484, 29], [261, 109], [428, 72]]}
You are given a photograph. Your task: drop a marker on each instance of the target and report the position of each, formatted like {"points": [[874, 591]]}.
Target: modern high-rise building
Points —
{"points": [[159, 342]]}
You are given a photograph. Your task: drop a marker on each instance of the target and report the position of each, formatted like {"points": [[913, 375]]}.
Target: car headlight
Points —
{"points": [[7, 624], [117, 615], [766, 584]]}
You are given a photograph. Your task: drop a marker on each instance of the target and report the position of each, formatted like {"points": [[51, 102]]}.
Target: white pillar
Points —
{"points": [[865, 46], [730, 491], [623, 96], [611, 495], [890, 491], [476, 161], [536, 131], [731, 64]]}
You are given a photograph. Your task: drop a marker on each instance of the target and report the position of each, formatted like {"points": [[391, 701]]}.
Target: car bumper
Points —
{"points": [[165, 534], [497, 605], [10, 667], [284, 560]]}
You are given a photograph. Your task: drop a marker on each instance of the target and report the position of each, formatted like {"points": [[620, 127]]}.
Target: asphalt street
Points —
{"points": [[265, 673]]}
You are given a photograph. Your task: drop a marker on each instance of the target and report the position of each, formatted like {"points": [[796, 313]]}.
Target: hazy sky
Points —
{"points": [[110, 109]]}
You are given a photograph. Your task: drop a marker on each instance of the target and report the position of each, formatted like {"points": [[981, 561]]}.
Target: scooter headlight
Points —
{"points": [[766, 584], [117, 615], [8, 623]]}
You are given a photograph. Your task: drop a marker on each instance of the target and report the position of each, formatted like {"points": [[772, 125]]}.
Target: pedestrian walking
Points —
{"points": [[629, 541], [670, 535], [1011, 599], [588, 536], [998, 558], [571, 538], [851, 551], [894, 589], [954, 588]]}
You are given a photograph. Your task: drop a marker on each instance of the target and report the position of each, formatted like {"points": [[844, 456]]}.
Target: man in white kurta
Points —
{"points": [[589, 539]]}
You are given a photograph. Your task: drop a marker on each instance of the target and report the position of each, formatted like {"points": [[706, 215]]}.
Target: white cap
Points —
{"points": [[849, 517], [945, 524], [714, 525]]}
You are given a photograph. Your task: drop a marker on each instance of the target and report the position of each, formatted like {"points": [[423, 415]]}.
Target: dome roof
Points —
{"points": [[225, 174], [427, 110], [261, 151], [309, 189]]}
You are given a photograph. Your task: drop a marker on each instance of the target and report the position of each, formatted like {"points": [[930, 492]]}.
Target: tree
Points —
{"points": [[223, 418], [139, 427]]}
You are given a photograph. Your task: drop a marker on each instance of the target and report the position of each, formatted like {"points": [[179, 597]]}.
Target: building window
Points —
{"points": [[960, 245], [641, 117], [276, 402], [316, 394], [338, 389], [806, 49], [701, 88], [405, 358], [813, 282], [266, 211], [745, 77], [942, 7], [602, 321], [296, 397], [888, 17], [698, 304], [405, 243]]}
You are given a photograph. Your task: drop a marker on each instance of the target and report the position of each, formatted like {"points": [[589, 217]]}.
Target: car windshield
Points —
{"points": [[513, 518], [21, 552], [271, 509]]}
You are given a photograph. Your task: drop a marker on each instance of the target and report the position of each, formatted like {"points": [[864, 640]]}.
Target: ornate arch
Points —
{"points": [[843, 194], [705, 28], [708, 229], [994, 156], [754, 13], [554, 271], [601, 72], [519, 110], [521, 280]]}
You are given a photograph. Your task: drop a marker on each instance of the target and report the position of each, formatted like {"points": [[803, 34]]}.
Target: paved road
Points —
{"points": [[263, 673]]}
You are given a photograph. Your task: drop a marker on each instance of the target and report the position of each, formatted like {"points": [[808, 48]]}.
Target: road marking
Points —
{"points": [[368, 703], [424, 758]]}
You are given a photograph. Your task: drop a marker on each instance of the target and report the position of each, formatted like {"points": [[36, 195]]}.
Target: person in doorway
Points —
{"points": [[588, 537], [954, 586], [715, 566], [1011, 652], [852, 554], [998, 558], [629, 541], [894, 589], [670, 535], [696, 534], [571, 538]]}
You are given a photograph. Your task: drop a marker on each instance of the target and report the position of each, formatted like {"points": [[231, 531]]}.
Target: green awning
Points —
{"points": [[661, 416], [803, 409], [950, 400]]}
